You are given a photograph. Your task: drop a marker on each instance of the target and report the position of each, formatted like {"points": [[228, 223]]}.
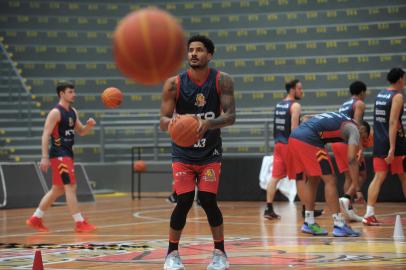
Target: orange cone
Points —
{"points": [[38, 265]]}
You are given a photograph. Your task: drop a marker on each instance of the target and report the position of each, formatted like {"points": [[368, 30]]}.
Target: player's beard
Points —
{"points": [[298, 97], [197, 65]]}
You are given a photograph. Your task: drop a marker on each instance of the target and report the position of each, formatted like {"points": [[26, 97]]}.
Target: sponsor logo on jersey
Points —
{"points": [[178, 174], [209, 175], [200, 100], [71, 123], [69, 132], [386, 96], [283, 106], [280, 112], [280, 121], [380, 112], [380, 102]]}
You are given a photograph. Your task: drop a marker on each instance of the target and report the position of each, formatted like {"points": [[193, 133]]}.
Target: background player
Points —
{"points": [[208, 94], [389, 140], [61, 125], [355, 109], [309, 157], [286, 118]]}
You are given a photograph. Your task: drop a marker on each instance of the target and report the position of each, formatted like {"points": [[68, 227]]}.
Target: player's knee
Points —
{"points": [[208, 202], [179, 214], [70, 187], [58, 190], [207, 199]]}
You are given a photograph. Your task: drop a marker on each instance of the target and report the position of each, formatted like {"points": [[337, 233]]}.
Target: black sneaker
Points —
{"points": [[269, 214], [173, 198], [317, 212]]}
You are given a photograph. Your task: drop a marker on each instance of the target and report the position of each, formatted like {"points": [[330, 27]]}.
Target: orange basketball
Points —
{"points": [[149, 46], [140, 166], [112, 97], [183, 130]]}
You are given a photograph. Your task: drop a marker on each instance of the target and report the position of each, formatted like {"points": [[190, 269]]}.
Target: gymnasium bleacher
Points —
{"points": [[326, 44]]}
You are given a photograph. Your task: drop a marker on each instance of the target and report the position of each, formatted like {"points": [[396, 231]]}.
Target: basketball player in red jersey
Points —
{"points": [[208, 94], [61, 125], [389, 154], [353, 108]]}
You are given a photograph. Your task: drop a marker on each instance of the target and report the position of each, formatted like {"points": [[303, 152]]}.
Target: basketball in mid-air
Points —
{"points": [[139, 166], [112, 97], [149, 46], [183, 130]]}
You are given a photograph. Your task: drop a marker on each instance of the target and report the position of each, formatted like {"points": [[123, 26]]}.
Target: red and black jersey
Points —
{"points": [[63, 134], [202, 100], [382, 109], [282, 121]]}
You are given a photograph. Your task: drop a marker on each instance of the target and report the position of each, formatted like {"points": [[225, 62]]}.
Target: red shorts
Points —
{"points": [[63, 171], [398, 165], [187, 176], [280, 157], [340, 151], [308, 159]]}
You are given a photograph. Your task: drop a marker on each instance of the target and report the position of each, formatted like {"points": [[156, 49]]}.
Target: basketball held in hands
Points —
{"points": [[183, 130], [112, 97]]}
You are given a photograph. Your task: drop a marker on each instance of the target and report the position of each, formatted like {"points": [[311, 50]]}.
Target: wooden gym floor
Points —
{"points": [[133, 235]]}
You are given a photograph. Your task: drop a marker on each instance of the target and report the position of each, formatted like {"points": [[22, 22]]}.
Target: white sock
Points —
{"points": [[309, 217], [78, 217], [370, 211], [38, 213], [338, 220]]}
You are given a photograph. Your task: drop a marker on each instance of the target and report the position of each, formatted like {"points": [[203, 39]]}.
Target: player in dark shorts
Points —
{"points": [[61, 125], [208, 94], [354, 108], [389, 140], [286, 118], [309, 158]]}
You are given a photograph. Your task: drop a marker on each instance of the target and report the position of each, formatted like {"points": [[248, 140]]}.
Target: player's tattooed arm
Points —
{"points": [[168, 101], [227, 117]]}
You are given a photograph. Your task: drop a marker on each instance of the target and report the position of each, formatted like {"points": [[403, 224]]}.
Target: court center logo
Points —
{"points": [[242, 251]]}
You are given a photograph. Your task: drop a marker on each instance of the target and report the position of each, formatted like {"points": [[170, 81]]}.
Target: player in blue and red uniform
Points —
{"points": [[208, 94], [61, 125], [309, 157], [354, 109], [389, 140], [286, 118]]}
